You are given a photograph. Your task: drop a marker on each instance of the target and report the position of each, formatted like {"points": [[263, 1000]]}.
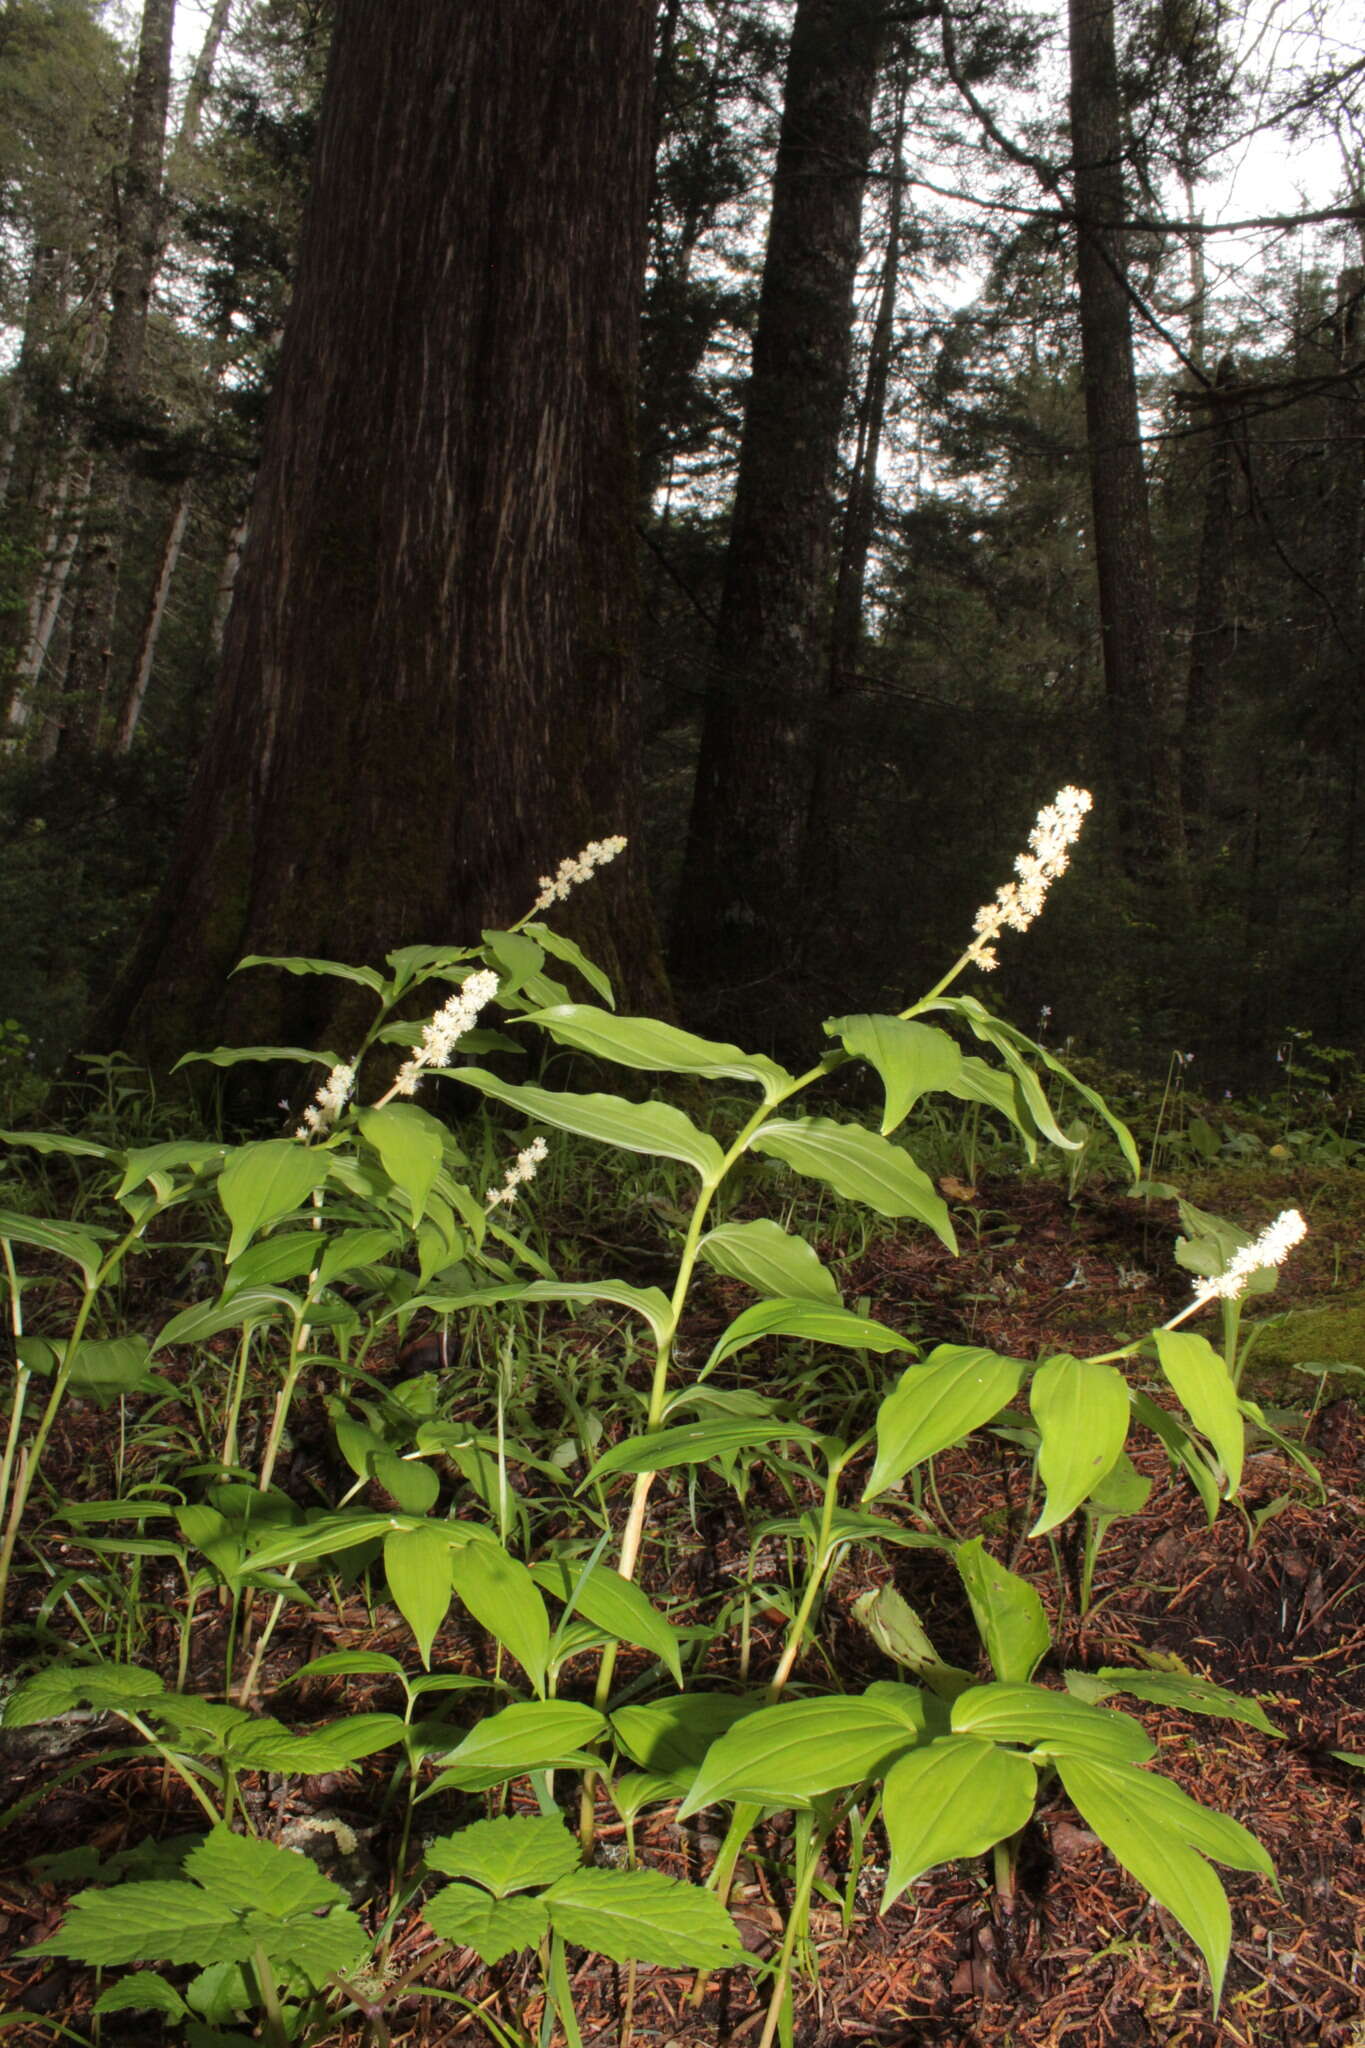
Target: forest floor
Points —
{"points": [[1270, 1602]]}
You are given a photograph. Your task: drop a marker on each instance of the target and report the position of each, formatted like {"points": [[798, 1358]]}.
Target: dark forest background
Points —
{"points": [[924, 453]]}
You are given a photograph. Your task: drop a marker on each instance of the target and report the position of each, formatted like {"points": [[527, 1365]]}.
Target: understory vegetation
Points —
{"points": [[674, 1548]]}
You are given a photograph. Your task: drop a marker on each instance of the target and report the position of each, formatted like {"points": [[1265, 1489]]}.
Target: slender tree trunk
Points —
{"points": [[70, 498], [427, 694], [227, 584], [1136, 662], [136, 693], [137, 250], [740, 907], [1211, 630]]}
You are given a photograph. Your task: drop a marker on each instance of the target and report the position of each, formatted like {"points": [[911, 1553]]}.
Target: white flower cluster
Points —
{"points": [[1057, 827], [596, 854], [1271, 1248], [516, 1175], [327, 1105], [443, 1031]]}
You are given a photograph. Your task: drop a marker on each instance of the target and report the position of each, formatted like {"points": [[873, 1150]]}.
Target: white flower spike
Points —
{"points": [[554, 888], [522, 1170], [1271, 1248], [1057, 827]]}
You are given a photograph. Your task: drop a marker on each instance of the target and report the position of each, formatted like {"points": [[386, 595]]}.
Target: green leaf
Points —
{"points": [[238, 1055], [509, 1854], [530, 1736], [105, 1367], [234, 1310], [158, 1921], [897, 1631], [239, 1870], [564, 949], [1180, 1689], [58, 1142], [959, 1387], [410, 1145], [296, 963], [692, 1443], [342, 1663], [266, 1745], [261, 1183], [656, 1047], [1139, 1834], [912, 1059], [274, 1258], [493, 1928], [615, 1604], [1007, 1612], [671, 1737], [650, 1302], [1054, 1722], [500, 1593], [153, 1161], [1203, 1386], [330, 1535], [654, 1128], [144, 1991], [957, 1797], [417, 1566], [351, 1249], [62, 1687], [814, 1321], [642, 1916], [859, 1165], [63, 1238], [769, 1259], [1081, 1408], [1181, 1448], [787, 1755], [414, 1486]]}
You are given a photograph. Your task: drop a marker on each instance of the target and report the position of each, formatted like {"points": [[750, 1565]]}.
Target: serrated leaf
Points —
{"points": [[654, 1128], [261, 1183], [641, 1916], [1081, 1407], [956, 1797], [1203, 1386], [508, 1854], [1154, 1853], [912, 1059], [62, 1687], [615, 1604], [239, 1870], [788, 1754], [814, 1321], [500, 1593], [144, 1991], [1053, 1721], [858, 1164], [159, 1921], [493, 1928], [657, 1048], [769, 1259], [417, 1567], [957, 1389]]}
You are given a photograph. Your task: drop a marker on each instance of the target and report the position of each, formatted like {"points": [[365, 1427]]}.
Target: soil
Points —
{"points": [[1269, 1601]]}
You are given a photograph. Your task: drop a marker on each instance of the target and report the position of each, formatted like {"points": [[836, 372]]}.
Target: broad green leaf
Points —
{"points": [[530, 1736], [1054, 1722], [644, 1917], [266, 1745], [912, 1059], [654, 1128], [788, 1754], [297, 963], [284, 1257], [692, 1443], [509, 1854], [859, 1165], [351, 1249], [650, 1302], [517, 957], [1181, 1448], [1081, 1408], [657, 1048], [144, 1991], [897, 1631], [417, 1567], [159, 1921], [615, 1604], [957, 1797], [1181, 1689], [957, 1389], [410, 1145], [1203, 1386], [671, 1737], [105, 1367], [232, 1311], [330, 1535], [239, 1870], [261, 1183], [564, 949], [977, 1081], [769, 1259], [500, 1593], [814, 1321], [59, 1142], [1213, 1834], [493, 1928], [63, 1238], [1122, 1491], [62, 1687], [1140, 1835], [152, 1160], [1007, 1611], [239, 1055], [343, 1663], [409, 1481]]}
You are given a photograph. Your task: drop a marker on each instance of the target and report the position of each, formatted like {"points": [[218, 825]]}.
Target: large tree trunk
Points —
{"points": [[1211, 627], [740, 902], [1136, 661], [137, 251], [427, 694]]}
